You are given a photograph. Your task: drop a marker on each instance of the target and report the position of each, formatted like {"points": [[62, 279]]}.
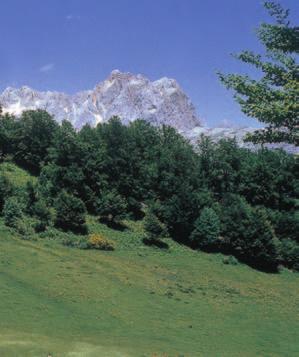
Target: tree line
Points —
{"points": [[213, 196]]}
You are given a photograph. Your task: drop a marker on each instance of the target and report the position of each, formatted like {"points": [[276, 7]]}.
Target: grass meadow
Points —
{"points": [[138, 301]]}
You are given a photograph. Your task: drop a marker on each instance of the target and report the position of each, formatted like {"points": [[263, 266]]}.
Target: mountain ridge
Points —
{"points": [[130, 97], [122, 94]]}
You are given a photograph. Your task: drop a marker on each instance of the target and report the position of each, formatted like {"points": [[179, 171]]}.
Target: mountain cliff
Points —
{"points": [[128, 96], [123, 94]]}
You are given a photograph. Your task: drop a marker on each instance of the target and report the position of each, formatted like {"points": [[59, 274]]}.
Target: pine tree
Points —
{"points": [[154, 228], [206, 230]]}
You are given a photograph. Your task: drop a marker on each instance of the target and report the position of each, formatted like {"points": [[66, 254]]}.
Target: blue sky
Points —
{"points": [[71, 45]]}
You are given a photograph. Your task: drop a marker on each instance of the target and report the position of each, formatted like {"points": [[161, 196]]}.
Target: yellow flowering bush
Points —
{"points": [[97, 241]]}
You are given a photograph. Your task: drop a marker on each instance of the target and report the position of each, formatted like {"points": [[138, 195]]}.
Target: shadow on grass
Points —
{"points": [[118, 226], [156, 243]]}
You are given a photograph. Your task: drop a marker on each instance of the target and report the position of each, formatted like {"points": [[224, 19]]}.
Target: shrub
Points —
{"points": [[260, 242], [285, 223], [43, 214], [30, 197], [70, 213], [40, 226], [289, 253], [5, 190], [75, 242], [12, 211], [24, 228], [154, 228], [248, 233], [206, 230], [235, 221], [83, 244], [111, 206], [97, 241], [230, 260], [51, 233]]}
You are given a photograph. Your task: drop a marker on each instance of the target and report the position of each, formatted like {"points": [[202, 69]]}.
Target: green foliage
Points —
{"points": [[30, 197], [70, 212], [230, 260], [25, 227], [280, 36], [248, 233], [8, 126], [206, 230], [33, 136], [289, 253], [116, 170], [65, 148], [266, 176], [285, 223], [75, 242], [49, 182], [220, 164], [262, 245], [273, 99], [41, 211], [111, 206], [67, 160], [28, 138], [43, 214], [94, 168], [154, 228], [5, 190], [17, 177], [12, 211], [177, 183]]}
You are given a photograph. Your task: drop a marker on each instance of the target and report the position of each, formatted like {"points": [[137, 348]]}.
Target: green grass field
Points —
{"points": [[139, 301]]}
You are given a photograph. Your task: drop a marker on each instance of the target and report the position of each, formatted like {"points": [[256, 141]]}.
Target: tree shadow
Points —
{"points": [[118, 226], [156, 243]]}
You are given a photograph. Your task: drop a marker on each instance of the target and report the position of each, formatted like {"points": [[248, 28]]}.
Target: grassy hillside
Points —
{"points": [[139, 301], [17, 177]]}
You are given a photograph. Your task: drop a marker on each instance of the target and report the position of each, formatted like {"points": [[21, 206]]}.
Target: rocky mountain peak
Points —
{"points": [[126, 95]]}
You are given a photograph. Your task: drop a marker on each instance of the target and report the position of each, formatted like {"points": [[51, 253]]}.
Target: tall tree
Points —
{"points": [[8, 126], [70, 213], [33, 136], [274, 98]]}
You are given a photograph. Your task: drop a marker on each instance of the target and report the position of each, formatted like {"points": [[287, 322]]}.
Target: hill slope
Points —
{"points": [[138, 301]]}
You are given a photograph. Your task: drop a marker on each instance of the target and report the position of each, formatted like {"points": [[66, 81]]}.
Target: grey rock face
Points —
{"points": [[219, 133], [238, 133], [130, 97], [123, 94]]}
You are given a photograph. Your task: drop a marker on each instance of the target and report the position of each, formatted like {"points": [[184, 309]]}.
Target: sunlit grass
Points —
{"points": [[139, 301], [16, 176]]}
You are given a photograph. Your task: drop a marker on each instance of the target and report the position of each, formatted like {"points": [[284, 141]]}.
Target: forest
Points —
{"points": [[216, 197]]}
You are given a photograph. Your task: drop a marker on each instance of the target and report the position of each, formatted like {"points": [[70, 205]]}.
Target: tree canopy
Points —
{"points": [[213, 196], [273, 98]]}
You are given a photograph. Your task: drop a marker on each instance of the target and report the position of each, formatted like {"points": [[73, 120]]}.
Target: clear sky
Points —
{"points": [[71, 45]]}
